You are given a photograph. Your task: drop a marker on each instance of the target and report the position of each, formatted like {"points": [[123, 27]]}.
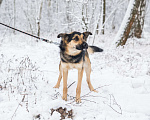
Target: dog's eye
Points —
{"points": [[76, 38]]}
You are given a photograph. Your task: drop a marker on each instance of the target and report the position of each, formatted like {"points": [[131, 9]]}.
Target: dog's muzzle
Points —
{"points": [[84, 45]]}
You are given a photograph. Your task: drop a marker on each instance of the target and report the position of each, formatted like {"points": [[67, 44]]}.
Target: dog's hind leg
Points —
{"points": [[88, 72], [78, 89], [59, 78]]}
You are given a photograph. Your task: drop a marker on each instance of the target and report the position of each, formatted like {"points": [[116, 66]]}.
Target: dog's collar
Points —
{"points": [[71, 59]]}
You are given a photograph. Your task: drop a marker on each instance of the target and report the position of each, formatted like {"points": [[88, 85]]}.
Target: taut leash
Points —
{"points": [[45, 40]]}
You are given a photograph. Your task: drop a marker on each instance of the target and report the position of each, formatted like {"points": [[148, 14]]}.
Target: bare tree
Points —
{"points": [[67, 15], [39, 18], [137, 28], [84, 17], [14, 15], [49, 3], [103, 15], [1, 2], [127, 23]]}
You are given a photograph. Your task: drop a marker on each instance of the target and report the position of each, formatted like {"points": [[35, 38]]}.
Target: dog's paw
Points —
{"points": [[64, 98], [94, 90], [56, 86], [78, 100]]}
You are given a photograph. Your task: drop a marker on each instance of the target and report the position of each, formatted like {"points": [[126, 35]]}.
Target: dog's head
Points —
{"points": [[74, 41]]}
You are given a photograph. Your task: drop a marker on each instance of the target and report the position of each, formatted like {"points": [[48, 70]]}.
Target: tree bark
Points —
{"points": [[127, 23], [14, 13], [103, 15], [137, 28], [39, 18], [84, 18], [68, 17], [1, 2]]}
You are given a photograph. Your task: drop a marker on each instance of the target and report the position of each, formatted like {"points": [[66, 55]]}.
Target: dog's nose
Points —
{"points": [[85, 45]]}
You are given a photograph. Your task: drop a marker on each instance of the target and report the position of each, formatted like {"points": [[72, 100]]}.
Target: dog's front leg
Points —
{"points": [[65, 75], [78, 89]]}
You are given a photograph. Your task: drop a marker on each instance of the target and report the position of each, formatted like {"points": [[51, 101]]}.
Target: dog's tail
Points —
{"points": [[92, 49]]}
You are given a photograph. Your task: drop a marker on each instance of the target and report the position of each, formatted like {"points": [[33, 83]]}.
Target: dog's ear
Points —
{"points": [[62, 35], [86, 34]]}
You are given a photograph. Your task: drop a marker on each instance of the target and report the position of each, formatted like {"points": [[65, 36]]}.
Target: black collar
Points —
{"points": [[72, 59]]}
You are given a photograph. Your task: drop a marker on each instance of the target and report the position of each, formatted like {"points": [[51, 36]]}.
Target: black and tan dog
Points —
{"points": [[74, 54]]}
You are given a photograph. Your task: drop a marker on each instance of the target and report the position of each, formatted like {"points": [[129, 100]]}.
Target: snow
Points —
{"points": [[55, 116], [29, 71]]}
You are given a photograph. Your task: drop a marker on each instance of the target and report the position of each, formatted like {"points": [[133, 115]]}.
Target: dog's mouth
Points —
{"points": [[83, 46]]}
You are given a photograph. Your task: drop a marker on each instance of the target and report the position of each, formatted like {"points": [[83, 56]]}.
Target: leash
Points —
{"points": [[45, 40]]}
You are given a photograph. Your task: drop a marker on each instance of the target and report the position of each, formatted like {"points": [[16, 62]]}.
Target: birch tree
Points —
{"points": [[126, 25]]}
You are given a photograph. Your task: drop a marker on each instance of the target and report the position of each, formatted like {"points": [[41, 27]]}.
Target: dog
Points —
{"points": [[74, 53]]}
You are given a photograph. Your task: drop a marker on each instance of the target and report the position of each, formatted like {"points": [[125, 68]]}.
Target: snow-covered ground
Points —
{"points": [[29, 70]]}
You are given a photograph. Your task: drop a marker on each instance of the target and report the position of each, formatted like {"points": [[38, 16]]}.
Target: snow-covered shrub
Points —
{"points": [[19, 74]]}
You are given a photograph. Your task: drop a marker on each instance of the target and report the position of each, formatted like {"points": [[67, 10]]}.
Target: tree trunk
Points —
{"points": [[49, 3], [68, 17], [138, 24], [14, 13], [39, 18], [1, 2], [127, 23], [103, 15], [84, 18], [113, 20]]}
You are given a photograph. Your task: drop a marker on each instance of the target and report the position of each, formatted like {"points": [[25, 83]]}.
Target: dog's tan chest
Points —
{"points": [[72, 65]]}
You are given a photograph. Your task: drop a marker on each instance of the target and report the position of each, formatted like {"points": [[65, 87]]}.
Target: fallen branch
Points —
{"points": [[18, 107], [113, 102], [71, 84]]}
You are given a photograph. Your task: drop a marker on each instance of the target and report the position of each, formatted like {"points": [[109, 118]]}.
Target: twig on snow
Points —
{"points": [[18, 106], [86, 95], [113, 102], [71, 84], [94, 89]]}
